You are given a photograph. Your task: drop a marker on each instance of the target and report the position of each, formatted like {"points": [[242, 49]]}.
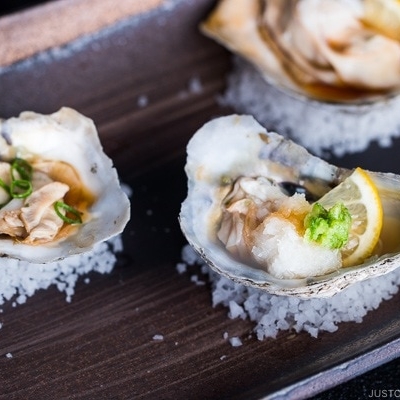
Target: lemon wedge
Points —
{"points": [[360, 195], [383, 15]]}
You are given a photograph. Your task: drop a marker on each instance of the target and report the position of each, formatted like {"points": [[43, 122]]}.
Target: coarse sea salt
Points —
{"points": [[320, 127], [235, 341], [194, 87], [20, 279], [142, 101], [272, 313]]}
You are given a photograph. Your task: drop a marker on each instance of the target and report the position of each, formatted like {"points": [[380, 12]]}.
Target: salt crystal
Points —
{"points": [[181, 268], [158, 337], [21, 299], [189, 256], [195, 85], [235, 310], [9, 355], [195, 279], [142, 101], [235, 341], [127, 189]]}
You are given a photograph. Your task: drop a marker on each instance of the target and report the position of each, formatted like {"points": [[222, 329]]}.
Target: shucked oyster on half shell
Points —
{"points": [[334, 50], [59, 191], [235, 153]]}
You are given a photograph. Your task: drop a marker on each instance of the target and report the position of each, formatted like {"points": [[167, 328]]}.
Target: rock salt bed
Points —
{"points": [[317, 128], [272, 314], [20, 280]]}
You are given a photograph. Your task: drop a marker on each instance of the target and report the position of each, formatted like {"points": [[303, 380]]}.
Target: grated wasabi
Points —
{"points": [[329, 228]]}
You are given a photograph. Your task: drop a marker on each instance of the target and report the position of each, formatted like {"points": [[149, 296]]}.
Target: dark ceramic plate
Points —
{"points": [[135, 79]]}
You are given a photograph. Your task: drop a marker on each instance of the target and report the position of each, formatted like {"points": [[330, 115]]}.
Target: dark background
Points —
{"points": [[9, 6]]}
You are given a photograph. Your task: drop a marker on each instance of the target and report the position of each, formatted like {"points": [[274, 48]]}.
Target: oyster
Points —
{"points": [[59, 192], [234, 151], [334, 50]]}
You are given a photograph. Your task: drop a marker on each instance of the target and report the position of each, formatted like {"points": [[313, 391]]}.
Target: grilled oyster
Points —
{"points": [[333, 50], [59, 192], [236, 153]]}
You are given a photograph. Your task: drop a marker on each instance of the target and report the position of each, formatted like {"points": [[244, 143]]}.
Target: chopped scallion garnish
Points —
{"points": [[58, 205], [23, 168], [20, 189], [4, 186]]}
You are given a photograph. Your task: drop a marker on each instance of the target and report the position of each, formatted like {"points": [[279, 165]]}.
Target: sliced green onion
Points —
{"points": [[77, 215], [23, 168], [4, 186], [20, 184]]}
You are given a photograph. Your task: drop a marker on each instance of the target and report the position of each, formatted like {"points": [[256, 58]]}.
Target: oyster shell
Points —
{"points": [[326, 49], [235, 147], [67, 164]]}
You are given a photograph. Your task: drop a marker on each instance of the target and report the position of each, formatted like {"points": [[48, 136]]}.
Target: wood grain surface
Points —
{"points": [[140, 83], [57, 23]]}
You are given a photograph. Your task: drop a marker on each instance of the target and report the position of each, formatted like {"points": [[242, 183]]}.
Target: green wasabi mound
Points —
{"points": [[329, 228]]}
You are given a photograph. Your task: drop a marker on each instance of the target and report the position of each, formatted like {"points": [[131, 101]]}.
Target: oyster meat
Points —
{"points": [[237, 173], [59, 192], [335, 50]]}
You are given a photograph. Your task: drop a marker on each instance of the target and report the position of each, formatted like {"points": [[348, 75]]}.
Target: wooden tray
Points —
{"points": [[149, 80]]}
